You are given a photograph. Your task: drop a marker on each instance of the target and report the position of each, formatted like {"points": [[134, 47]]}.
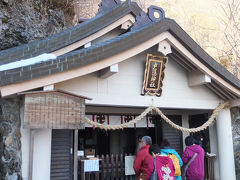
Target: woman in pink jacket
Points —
{"points": [[195, 170], [164, 166]]}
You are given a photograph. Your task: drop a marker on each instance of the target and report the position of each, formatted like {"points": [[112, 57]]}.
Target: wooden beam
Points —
{"points": [[216, 92], [109, 71], [75, 157], [181, 63], [183, 59], [126, 25], [223, 91], [196, 78]]}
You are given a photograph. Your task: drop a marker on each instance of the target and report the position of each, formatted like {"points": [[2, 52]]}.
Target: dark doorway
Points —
{"points": [[113, 142], [62, 154], [196, 121], [95, 139], [103, 142]]}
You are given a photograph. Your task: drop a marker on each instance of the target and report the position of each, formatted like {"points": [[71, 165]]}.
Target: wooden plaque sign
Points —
{"points": [[154, 74], [54, 110]]}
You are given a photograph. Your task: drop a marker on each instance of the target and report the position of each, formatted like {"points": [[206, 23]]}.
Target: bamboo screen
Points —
{"points": [[55, 110]]}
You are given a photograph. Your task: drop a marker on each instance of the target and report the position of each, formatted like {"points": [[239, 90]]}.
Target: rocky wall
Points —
{"points": [[236, 138], [22, 21], [10, 139]]}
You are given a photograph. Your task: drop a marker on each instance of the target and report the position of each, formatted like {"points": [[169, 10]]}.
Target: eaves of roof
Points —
{"points": [[70, 35], [52, 91], [114, 46]]}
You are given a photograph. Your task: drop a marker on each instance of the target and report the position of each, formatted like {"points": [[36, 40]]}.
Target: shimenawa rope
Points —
{"points": [[160, 113]]}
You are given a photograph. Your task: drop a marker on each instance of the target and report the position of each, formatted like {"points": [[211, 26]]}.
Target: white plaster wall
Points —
{"points": [[42, 154], [124, 87]]}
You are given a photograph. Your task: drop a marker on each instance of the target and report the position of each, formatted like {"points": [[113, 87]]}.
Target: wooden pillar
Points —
{"points": [[185, 123], [225, 145], [82, 170], [75, 157], [214, 149]]}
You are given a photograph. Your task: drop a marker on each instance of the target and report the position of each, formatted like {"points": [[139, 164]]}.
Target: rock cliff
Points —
{"points": [[22, 21]]}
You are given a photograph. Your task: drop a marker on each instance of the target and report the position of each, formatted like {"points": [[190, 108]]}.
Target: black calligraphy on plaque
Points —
{"points": [[127, 118], [100, 119], [154, 75]]}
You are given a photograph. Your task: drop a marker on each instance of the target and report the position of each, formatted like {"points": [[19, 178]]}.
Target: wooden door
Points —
{"points": [[165, 131], [173, 135], [62, 155]]}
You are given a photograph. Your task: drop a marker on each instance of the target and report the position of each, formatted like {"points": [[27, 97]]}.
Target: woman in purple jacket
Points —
{"points": [[195, 170]]}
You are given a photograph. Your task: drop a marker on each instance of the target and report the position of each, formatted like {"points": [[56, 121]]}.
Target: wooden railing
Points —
{"points": [[209, 167], [110, 168], [113, 168]]}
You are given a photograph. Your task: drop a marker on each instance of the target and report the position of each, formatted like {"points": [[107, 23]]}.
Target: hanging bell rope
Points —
{"points": [[210, 121]]}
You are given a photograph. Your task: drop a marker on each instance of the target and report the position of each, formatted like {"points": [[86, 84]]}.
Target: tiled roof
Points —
{"points": [[70, 35], [109, 48]]}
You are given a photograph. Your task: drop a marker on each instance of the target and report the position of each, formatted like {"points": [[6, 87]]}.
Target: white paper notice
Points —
{"points": [[129, 160], [80, 153], [91, 165]]}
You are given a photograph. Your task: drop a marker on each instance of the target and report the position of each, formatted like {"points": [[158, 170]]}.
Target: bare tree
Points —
{"points": [[231, 29]]}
